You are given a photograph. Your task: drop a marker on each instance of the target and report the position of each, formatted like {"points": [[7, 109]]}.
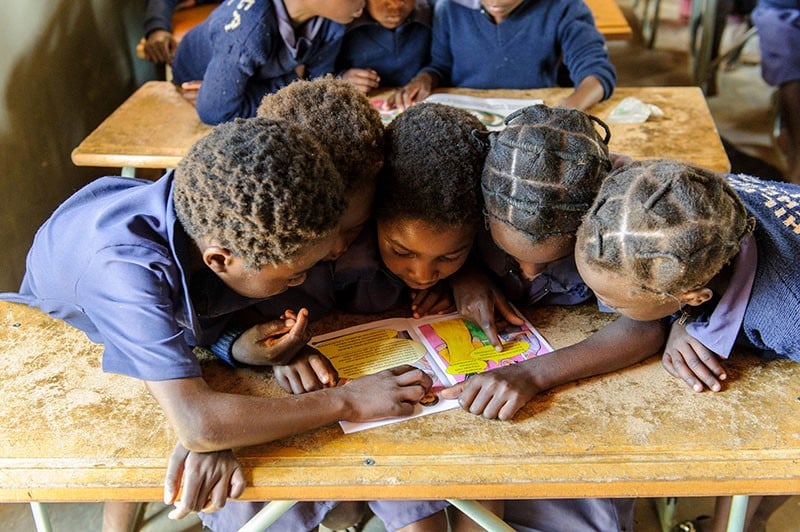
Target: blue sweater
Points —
{"points": [[240, 55], [523, 51], [396, 55], [772, 318], [158, 14]]}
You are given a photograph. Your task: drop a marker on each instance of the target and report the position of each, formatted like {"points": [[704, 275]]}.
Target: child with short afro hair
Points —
{"points": [[143, 269]]}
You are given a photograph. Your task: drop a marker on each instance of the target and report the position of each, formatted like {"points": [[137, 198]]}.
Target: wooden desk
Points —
{"points": [[155, 127], [72, 433], [609, 20]]}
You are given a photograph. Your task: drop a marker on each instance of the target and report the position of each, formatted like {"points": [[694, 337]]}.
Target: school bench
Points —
{"points": [[71, 433]]}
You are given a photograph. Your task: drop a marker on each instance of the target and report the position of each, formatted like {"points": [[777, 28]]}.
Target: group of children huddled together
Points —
{"points": [[247, 48], [271, 221]]}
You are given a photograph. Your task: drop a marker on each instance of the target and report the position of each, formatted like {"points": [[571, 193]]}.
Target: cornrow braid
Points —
{"points": [[667, 225], [265, 189], [544, 169]]}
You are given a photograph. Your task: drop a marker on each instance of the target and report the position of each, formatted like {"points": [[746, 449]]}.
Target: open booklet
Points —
{"points": [[448, 348], [491, 111]]}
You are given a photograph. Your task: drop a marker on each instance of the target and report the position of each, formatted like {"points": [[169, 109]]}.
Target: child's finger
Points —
{"points": [[682, 367], [326, 373], [507, 312], [238, 483], [172, 480], [453, 391]]}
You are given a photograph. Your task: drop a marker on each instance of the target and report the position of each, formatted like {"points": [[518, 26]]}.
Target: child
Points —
{"points": [[515, 44], [540, 176], [778, 24], [387, 45], [160, 45], [151, 269], [720, 246], [665, 237], [246, 49]]}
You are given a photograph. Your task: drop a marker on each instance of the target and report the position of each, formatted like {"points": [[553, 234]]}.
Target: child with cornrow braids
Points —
{"points": [[664, 237], [541, 175]]}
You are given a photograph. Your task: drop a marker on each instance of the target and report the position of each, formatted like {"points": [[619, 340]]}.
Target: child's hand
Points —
{"points": [[365, 79], [419, 88], [434, 300], [205, 481], [496, 394], [189, 90], [160, 46], [478, 300], [308, 371], [688, 359], [273, 342], [388, 393]]}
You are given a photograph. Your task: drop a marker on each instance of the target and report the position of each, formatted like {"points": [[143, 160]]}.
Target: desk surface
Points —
{"points": [[156, 126], [609, 19], [72, 433]]}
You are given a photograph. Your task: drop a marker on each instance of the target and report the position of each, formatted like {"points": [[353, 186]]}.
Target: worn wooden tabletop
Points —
{"points": [[156, 126], [69, 432]]}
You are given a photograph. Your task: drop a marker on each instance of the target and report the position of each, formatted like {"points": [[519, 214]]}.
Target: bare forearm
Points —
{"points": [[586, 94], [622, 343], [207, 420]]}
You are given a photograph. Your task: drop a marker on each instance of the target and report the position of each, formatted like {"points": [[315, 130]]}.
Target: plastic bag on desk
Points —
{"points": [[633, 111]]}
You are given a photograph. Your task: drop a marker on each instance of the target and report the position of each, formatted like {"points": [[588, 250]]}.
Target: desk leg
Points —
{"points": [[738, 513], [478, 513], [128, 171], [40, 517], [268, 515]]}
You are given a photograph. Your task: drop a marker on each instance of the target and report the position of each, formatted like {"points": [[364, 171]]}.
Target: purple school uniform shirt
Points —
{"points": [[112, 261], [719, 330]]}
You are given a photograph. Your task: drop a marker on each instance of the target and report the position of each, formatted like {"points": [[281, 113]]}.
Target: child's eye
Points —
{"points": [[450, 259], [403, 254]]}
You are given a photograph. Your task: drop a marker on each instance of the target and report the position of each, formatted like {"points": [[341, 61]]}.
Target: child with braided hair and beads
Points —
{"points": [[540, 176], [665, 238]]}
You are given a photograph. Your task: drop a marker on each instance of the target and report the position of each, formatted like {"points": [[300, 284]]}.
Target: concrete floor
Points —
{"points": [[741, 110]]}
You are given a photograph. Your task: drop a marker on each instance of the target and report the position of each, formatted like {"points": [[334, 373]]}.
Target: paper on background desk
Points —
{"points": [[491, 111], [448, 348]]}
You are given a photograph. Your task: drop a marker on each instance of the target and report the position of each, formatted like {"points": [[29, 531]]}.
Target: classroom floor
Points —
{"points": [[741, 110]]}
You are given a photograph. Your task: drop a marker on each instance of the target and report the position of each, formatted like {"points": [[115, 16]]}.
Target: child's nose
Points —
{"points": [[424, 273]]}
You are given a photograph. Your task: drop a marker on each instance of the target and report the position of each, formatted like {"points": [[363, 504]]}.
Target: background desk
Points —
{"points": [[155, 127], [72, 433]]}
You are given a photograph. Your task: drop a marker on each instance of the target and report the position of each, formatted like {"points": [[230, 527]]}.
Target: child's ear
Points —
{"points": [[696, 297], [217, 258]]}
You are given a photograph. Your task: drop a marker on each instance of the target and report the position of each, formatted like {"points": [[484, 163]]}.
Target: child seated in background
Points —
{"points": [[664, 237], [247, 49], [387, 45], [160, 45], [541, 175], [152, 269], [515, 44]]}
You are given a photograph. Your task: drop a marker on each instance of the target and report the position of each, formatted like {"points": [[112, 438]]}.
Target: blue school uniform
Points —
{"points": [[158, 14], [113, 261], [397, 55], [247, 49], [559, 284], [770, 319], [522, 52]]}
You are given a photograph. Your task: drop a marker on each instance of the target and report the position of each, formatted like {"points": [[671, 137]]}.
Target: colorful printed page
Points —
{"points": [[448, 348], [491, 111]]}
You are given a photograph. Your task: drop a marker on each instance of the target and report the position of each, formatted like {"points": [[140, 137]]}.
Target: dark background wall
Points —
{"points": [[65, 66]]}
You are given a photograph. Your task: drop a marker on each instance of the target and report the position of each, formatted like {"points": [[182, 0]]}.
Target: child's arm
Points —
{"points": [[586, 94], [308, 371], [208, 420], [687, 358], [205, 481], [500, 393]]}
